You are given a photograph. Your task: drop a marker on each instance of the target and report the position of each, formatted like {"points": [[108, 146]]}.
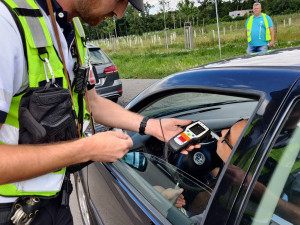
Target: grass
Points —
{"points": [[147, 60]]}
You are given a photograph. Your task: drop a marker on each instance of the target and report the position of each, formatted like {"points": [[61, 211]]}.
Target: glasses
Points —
{"points": [[225, 139]]}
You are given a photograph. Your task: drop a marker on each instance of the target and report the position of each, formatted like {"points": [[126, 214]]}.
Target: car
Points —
{"points": [[258, 184], [109, 84]]}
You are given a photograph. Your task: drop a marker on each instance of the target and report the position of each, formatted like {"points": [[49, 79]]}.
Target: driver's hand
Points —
{"points": [[180, 202], [172, 195]]}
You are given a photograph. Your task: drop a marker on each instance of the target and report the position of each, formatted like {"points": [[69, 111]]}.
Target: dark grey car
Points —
{"points": [[109, 85]]}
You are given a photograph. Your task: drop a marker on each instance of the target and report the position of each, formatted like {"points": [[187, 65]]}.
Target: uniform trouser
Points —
{"points": [[53, 213]]}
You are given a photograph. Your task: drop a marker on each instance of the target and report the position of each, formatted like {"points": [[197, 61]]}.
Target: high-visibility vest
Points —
{"points": [[37, 38], [249, 28]]}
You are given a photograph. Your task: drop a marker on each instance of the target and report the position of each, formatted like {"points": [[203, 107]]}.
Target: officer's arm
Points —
{"points": [[22, 162], [111, 114]]}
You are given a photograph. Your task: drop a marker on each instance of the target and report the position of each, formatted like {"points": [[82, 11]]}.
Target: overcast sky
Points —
{"points": [[172, 5]]}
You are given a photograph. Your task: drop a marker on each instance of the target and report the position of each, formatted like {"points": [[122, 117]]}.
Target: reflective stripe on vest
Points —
{"points": [[9, 135], [79, 33], [249, 28], [50, 183], [37, 36]]}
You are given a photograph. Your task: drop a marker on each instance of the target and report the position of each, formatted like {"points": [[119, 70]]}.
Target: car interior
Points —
{"points": [[150, 164]]}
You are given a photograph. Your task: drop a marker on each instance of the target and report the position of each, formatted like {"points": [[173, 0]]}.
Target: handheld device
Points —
{"points": [[193, 133]]}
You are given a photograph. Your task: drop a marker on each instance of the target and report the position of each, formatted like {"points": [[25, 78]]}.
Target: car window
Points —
{"points": [[276, 195], [159, 183], [150, 168], [97, 56]]}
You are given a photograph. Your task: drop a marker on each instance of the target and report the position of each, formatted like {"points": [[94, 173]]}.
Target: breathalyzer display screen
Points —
{"points": [[197, 129]]}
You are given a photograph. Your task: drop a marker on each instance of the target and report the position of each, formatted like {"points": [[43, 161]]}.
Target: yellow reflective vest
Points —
{"points": [[37, 37], [249, 28]]}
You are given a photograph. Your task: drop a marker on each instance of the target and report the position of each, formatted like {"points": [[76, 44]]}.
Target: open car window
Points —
{"points": [[150, 168], [160, 184]]}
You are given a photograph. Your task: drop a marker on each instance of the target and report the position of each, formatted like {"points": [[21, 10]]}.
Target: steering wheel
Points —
{"points": [[198, 163]]}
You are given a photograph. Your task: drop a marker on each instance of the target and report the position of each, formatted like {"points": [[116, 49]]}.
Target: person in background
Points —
{"points": [[259, 31]]}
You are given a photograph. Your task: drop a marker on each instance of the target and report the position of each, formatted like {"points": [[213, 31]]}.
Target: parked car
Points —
{"points": [[109, 85], [259, 183]]}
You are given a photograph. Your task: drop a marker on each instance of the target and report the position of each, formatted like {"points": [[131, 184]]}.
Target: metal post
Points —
{"points": [[166, 37], [216, 5]]}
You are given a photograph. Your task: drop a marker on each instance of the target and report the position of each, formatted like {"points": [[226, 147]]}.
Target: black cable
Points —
{"points": [[166, 150], [162, 131]]}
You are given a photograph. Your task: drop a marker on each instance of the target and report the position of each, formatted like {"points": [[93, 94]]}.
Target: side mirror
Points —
{"points": [[136, 160]]}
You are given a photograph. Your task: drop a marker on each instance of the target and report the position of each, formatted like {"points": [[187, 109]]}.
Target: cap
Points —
{"points": [[138, 4]]}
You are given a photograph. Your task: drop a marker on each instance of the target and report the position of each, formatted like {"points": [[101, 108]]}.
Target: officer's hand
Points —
{"points": [[108, 146], [171, 127]]}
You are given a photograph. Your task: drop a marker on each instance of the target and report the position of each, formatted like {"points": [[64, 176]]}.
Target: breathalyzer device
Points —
{"points": [[192, 134]]}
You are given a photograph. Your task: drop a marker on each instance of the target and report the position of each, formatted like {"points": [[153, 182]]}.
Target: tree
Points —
{"points": [[187, 8], [164, 4], [110, 27]]}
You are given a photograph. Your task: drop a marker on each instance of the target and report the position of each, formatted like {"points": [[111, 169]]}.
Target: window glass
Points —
{"points": [[276, 195], [180, 102], [155, 172], [159, 183], [97, 56]]}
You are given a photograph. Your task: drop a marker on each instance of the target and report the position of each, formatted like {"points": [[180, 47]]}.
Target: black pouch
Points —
{"points": [[46, 115], [81, 74]]}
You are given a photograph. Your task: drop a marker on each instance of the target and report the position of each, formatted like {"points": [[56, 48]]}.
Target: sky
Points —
{"points": [[172, 5]]}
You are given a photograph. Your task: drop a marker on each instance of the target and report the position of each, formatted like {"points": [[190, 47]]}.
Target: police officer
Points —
{"points": [[31, 56], [259, 31]]}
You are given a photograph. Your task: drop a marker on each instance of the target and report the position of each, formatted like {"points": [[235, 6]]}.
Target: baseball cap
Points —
{"points": [[138, 4]]}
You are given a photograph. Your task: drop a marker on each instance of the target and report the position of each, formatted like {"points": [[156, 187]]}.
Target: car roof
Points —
{"points": [[288, 57]]}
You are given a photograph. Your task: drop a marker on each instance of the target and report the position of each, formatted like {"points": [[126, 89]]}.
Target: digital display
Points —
{"points": [[197, 129]]}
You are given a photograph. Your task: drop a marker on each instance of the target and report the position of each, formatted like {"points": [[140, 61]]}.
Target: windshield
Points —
{"points": [[97, 56], [189, 100]]}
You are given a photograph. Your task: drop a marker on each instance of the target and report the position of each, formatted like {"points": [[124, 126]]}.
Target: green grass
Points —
{"points": [[153, 61]]}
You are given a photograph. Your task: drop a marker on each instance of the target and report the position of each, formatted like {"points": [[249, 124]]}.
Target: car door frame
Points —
{"points": [[234, 213]]}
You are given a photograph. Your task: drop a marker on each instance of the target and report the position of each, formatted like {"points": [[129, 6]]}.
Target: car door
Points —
{"points": [[137, 189], [269, 193]]}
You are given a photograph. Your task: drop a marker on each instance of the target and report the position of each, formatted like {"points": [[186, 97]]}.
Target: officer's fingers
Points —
{"points": [[119, 134], [182, 122]]}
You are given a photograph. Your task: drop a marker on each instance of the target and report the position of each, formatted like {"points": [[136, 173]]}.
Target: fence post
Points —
{"points": [[113, 42], [166, 37], [188, 35]]}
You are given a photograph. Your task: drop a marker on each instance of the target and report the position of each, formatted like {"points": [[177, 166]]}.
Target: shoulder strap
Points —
{"points": [[62, 55]]}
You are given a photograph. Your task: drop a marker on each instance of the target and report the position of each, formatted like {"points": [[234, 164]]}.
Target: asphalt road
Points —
{"points": [[131, 88]]}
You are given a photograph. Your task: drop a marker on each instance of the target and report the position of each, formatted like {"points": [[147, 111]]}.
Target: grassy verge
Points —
{"points": [[140, 57], [158, 65]]}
